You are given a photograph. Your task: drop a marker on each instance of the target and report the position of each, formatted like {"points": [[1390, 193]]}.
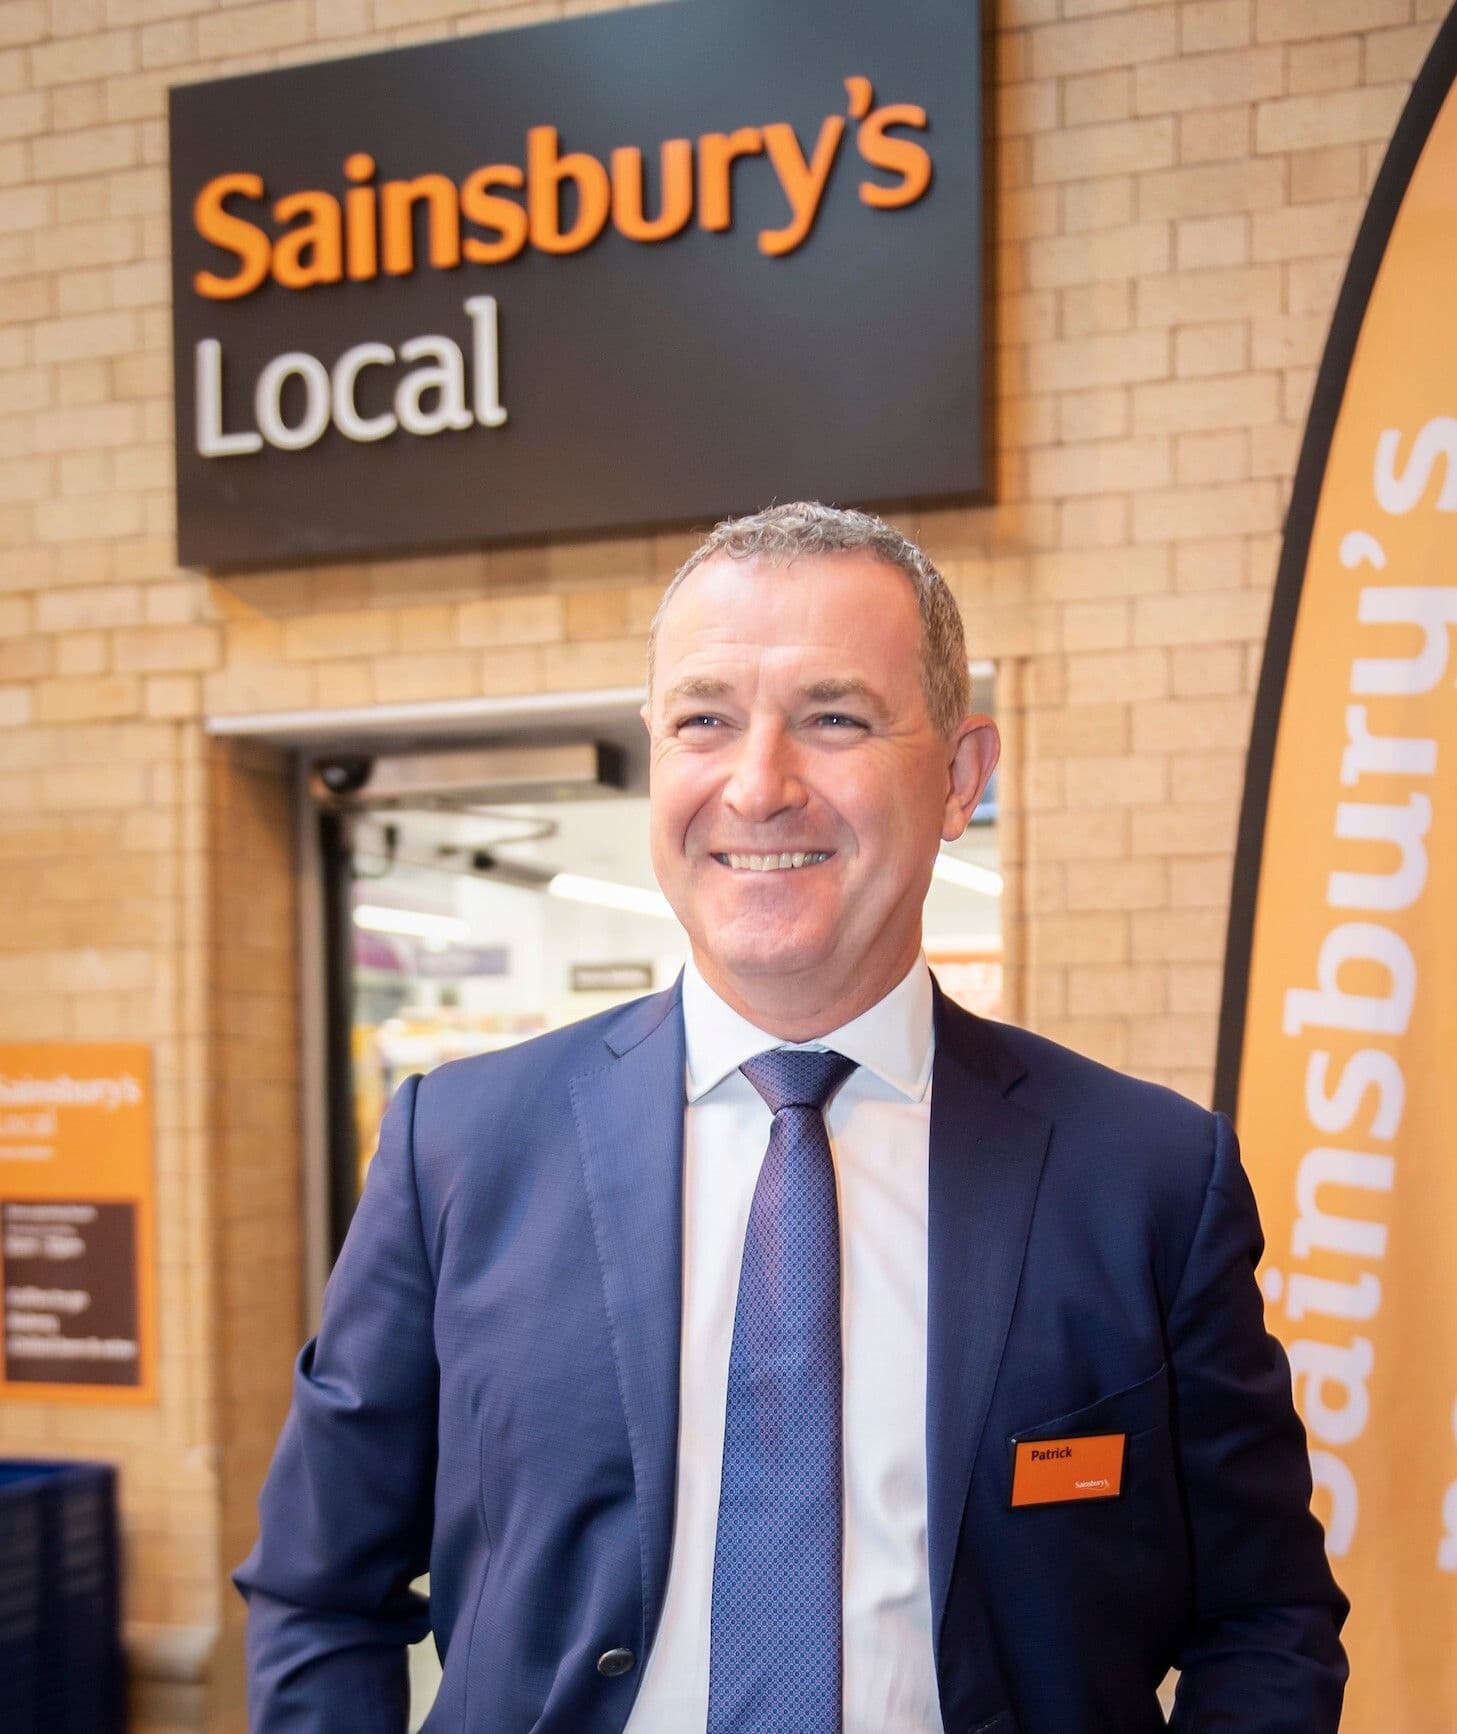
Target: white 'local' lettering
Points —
{"points": [[438, 372]]}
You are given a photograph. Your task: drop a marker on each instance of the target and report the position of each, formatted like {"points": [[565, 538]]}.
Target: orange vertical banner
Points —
{"points": [[1338, 1045]]}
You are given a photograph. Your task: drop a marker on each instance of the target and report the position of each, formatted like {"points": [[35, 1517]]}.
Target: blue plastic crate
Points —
{"points": [[60, 1640]]}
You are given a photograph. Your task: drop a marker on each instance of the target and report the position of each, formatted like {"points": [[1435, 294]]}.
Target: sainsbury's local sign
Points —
{"points": [[637, 269]]}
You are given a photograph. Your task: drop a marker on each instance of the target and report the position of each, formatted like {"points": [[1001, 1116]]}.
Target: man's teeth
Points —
{"points": [[773, 863]]}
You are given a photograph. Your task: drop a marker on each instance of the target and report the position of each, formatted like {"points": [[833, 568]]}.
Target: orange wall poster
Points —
{"points": [[77, 1289], [1338, 1045]]}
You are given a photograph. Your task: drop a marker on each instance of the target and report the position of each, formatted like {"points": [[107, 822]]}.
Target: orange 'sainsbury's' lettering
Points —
{"points": [[313, 250], [398, 200], [360, 223], [803, 181], [233, 235], [486, 211], [629, 192], [897, 156], [717, 154], [560, 202], [547, 169]]}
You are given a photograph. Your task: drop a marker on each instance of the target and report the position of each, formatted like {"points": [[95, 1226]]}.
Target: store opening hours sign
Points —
{"points": [[637, 269]]}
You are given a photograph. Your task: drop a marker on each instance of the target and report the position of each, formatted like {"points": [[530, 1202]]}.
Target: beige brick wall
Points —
{"points": [[1176, 185]]}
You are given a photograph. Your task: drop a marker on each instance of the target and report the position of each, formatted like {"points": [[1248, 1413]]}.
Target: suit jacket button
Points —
{"points": [[614, 1662]]}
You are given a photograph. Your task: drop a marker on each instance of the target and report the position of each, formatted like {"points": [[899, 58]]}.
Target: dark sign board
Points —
{"points": [[70, 1300], [637, 269]]}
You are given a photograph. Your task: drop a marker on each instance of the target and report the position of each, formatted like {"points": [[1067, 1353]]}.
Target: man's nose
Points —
{"points": [[764, 779]]}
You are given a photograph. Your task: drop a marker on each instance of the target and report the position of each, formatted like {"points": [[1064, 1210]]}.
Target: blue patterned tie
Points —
{"points": [[775, 1645]]}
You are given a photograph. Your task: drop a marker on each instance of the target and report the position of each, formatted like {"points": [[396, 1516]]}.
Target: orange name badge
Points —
{"points": [[1052, 1471]]}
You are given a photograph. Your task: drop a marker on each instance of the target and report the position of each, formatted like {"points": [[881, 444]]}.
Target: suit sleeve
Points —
{"points": [[345, 1513], [1264, 1655]]}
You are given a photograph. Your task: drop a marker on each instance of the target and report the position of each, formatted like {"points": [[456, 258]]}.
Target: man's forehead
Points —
{"points": [[830, 625], [818, 598]]}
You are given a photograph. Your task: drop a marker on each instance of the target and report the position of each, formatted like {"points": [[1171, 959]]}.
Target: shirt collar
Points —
{"points": [[894, 1038]]}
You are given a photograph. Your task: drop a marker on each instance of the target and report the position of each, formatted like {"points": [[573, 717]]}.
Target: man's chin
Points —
{"points": [[763, 960]]}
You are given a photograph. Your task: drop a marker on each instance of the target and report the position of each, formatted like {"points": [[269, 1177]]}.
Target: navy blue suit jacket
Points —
{"points": [[493, 1395]]}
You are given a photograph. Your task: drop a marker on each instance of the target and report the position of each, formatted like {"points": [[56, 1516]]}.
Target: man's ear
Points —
{"points": [[645, 711], [975, 748]]}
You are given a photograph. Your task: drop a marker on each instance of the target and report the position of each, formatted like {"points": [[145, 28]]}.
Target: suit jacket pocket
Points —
{"points": [[1133, 1410]]}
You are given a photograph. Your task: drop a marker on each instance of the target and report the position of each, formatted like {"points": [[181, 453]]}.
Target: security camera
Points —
{"points": [[334, 779]]}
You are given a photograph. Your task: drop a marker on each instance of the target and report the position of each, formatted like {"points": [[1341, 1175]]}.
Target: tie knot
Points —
{"points": [[797, 1077]]}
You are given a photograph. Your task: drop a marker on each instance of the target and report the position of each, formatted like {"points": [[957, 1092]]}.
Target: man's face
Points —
{"points": [[799, 789]]}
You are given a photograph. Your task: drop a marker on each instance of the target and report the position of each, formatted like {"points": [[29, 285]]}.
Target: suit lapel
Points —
{"points": [[986, 1156], [629, 1122]]}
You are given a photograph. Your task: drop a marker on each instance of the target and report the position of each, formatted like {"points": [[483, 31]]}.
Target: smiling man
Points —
{"points": [[800, 784], [792, 1352]]}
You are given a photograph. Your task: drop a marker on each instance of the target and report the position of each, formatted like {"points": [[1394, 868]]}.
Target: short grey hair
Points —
{"points": [[780, 535]]}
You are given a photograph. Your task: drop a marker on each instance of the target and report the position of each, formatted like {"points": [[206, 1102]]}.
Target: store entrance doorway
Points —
{"points": [[473, 897]]}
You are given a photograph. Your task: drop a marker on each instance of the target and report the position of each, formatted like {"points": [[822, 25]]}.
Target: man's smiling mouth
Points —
{"points": [[773, 863]]}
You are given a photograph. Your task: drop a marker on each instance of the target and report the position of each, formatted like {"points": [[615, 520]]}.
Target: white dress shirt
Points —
{"points": [[879, 1129]]}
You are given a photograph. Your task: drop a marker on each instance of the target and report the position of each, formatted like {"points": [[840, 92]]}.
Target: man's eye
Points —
{"points": [[837, 719], [697, 722]]}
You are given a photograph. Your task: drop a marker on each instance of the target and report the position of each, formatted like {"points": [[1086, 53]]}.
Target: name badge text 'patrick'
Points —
{"points": [[1052, 1471]]}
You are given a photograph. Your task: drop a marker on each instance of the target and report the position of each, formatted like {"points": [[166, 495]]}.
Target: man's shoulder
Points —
{"points": [[1116, 1143], [489, 1117], [1065, 1081], [1098, 1114], [553, 1056]]}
